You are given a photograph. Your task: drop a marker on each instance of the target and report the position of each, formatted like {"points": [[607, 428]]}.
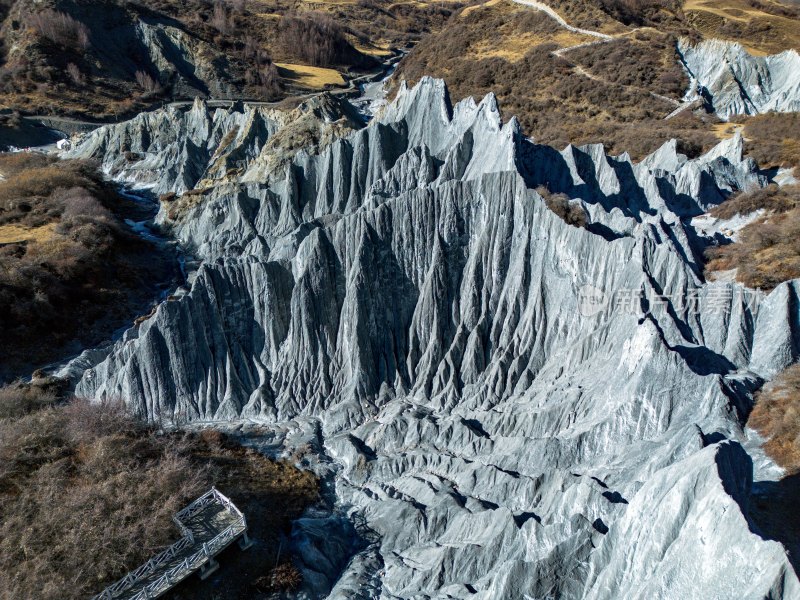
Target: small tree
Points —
{"points": [[75, 74], [147, 82], [61, 29]]}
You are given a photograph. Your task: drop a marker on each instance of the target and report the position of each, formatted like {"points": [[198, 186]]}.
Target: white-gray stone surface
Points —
{"points": [[734, 82], [510, 406]]}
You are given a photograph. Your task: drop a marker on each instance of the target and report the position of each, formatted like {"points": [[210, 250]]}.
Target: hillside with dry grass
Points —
{"points": [[761, 26], [615, 93], [767, 250], [113, 58], [566, 87], [71, 271], [776, 416], [87, 493]]}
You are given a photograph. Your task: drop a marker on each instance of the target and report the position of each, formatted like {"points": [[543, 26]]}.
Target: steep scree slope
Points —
{"points": [[517, 408]]}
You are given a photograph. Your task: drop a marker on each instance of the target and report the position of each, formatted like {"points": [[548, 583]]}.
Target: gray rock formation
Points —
{"points": [[513, 407], [733, 82]]}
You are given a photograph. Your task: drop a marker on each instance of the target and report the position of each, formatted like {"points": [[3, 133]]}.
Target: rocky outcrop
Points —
{"points": [[733, 82], [186, 64], [516, 407], [179, 149]]}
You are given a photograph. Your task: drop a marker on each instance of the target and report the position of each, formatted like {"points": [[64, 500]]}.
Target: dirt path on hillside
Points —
{"points": [[602, 38]]}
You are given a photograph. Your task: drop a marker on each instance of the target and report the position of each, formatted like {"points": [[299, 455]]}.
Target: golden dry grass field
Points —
{"points": [[308, 76], [12, 233], [760, 30]]}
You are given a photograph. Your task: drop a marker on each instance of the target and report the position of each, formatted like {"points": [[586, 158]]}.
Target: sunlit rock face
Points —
{"points": [[734, 82], [515, 407]]}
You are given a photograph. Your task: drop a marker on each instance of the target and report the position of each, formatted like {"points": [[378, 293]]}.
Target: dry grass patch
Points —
{"points": [[310, 77], [471, 9], [725, 131], [776, 416], [513, 48], [69, 268], [762, 27], [767, 252], [773, 139], [15, 234], [87, 493]]}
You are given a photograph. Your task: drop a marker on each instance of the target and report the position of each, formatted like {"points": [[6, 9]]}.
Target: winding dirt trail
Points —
{"points": [[601, 38], [560, 20]]}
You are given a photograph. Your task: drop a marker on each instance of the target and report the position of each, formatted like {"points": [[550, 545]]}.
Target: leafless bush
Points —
{"points": [[147, 82], [84, 491], [315, 38], [775, 8], [766, 254], [269, 80], [251, 47], [772, 198], [283, 578], [222, 20], [87, 493], [61, 283], [75, 74], [80, 203], [773, 139], [61, 29], [17, 400]]}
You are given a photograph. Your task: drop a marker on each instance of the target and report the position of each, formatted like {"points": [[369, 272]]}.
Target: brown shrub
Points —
{"points": [[649, 63], [87, 493], [771, 198], [85, 497], [639, 12], [556, 103], [18, 399], [283, 578], [61, 29], [776, 416], [75, 74], [68, 260], [773, 139], [572, 213], [766, 254], [222, 20]]}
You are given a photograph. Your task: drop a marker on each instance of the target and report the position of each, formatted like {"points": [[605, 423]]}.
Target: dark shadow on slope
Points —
{"points": [[713, 438], [703, 361], [523, 518], [631, 195], [775, 512], [699, 359], [604, 231], [614, 497], [23, 133], [476, 427], [599, 526]]}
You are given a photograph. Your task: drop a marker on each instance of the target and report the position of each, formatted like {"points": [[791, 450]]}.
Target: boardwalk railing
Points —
{"points": [[192, 562]]}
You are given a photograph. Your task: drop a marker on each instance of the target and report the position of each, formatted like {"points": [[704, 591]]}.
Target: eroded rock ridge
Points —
{"points": [[516, 407]]}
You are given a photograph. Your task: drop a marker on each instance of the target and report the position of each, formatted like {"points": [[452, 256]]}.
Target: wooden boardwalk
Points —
{"points": [[209, 525]]}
